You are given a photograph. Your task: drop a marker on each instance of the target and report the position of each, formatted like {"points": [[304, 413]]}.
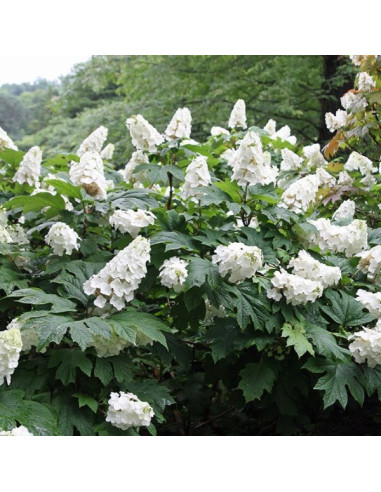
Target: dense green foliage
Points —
{"points": [[264, 366]]}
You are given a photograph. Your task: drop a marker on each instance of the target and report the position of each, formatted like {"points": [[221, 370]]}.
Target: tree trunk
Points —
{"points": [[334, 85]]}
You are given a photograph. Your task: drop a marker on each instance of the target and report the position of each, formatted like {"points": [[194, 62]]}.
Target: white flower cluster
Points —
{"points": [[353, 102], [108, 152], [11, 233], [350, 239], [228, 155], [238, 115], [290, 161], [325, 180], [307, 267], [131, 221], [29, 337], [62, 239], [366, 345], [94, 142], [197, 176], [111, 346], [314, 156], [297, 290], [370, 300], [180, 125], [283, 133], [300, 194], [30, 168], [16, 431], [238, 261], [370, 263], [365, 82], [125, 410], [250, 164], [337, 121], [3, 217], [212, 312], [358, 162], [137, 158], [6, 141], [357, 59], [344, 178], [118, 280], [18, 234], [10, 348], [346, 211], [116, 344], [89, 174], [216, 131], [368, 181], [173, 273], [144, 136], [5, 237]]}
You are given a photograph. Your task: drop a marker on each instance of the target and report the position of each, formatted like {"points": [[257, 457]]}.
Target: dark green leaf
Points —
{"points": [[173, 240], [345, 310], [38, 297], [256, 379], [83, 331], [200, 271], [145, 323], [137, 198], [86, 401], [10, 278], [65, 188], [296, 337], [35, 203], [325, 342], [103, 370], [67, 361]]}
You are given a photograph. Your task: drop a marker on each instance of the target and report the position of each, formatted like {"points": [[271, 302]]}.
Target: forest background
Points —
{"points": [[58, 115]]}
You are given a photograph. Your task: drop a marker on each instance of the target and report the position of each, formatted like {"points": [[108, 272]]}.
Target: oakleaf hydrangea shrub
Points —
{"points": [[229, 286]]}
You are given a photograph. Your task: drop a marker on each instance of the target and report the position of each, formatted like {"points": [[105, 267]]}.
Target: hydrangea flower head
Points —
{"points": [[350, 239], [131, 221], [238, 115], [307, 267], [346, 211], [173, 273], [62, 239], [180, 125], [30, 168], [125, 410], [296, 289], [118, 280], [6, 141], [89, 173], [366, 345], [197, 176], [370, 263], [371, 301], [238, 261], [250, 164], [16, 431], [10, 348], [94, 142], [144, 136], [138, 157]]}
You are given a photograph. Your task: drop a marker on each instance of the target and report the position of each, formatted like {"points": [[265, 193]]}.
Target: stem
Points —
{"points": [[169, 203], [199, 214], [215, 418], [245, 220]]}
